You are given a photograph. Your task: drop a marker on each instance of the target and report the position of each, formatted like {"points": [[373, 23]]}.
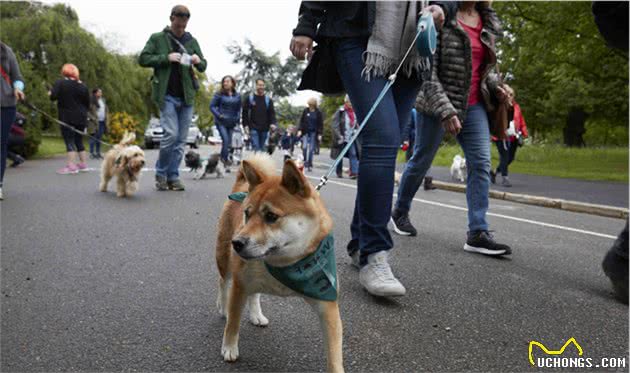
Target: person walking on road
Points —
{"points": [[73, 104], [97, 122], [172, 53], [311, 129], [343, 125], [258, 115], [516, 134], [457, 100], [11, 90], [356, 56], [409, 141], [226, 108]]}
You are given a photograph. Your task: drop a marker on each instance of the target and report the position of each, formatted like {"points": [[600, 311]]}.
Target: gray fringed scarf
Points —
{"points": [[390, 39]]}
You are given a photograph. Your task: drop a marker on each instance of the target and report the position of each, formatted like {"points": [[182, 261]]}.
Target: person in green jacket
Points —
{"points": [[172, 53]]}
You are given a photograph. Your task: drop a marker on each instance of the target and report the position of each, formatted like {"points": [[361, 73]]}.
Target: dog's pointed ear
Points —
{"points": [[252, 175], [294, 181]]}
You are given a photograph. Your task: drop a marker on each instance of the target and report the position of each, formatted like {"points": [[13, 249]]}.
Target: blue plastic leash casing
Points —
{"points": [[427, 35]]}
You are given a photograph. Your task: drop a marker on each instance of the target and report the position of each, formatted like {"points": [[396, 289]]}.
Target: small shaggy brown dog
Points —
{"points": [[126, 162]]}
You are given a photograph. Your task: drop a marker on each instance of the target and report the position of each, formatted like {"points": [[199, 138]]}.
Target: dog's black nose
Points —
{"points": [[239, 243], [142, 163]]}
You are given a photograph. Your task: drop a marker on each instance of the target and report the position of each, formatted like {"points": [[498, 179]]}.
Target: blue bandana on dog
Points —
{"points": [[315, 275]]}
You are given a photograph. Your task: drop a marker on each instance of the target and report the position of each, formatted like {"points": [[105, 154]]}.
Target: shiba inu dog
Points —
{"points": [[281, 224]]}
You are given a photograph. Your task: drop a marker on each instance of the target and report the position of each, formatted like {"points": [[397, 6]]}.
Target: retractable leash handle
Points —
{"points": [[426, 43]]}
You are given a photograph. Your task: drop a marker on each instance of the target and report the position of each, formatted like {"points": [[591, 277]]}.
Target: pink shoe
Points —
{"points": [[82, 167], [69, 169]]}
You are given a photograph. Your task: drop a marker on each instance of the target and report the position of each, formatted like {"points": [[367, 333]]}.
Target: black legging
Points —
{"points": [[507, 152], [73, 140]]}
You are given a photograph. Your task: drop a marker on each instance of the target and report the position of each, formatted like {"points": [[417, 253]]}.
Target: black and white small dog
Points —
{"points": [[203, 167]]}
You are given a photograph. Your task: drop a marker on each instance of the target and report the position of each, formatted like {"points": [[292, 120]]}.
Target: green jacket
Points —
{"points": [[155, 55]]}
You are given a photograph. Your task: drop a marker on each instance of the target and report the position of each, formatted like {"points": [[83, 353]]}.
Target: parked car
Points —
{"points": [[154, 133]]}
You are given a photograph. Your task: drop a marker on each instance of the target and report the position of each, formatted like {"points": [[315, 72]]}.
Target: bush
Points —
{"points": [[120, 123]]}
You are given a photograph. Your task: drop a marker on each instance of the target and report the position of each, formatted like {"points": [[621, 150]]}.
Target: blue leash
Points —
{"points": [[425, 41]]}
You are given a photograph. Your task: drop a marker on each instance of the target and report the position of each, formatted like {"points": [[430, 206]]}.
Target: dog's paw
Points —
{"points": [[230, 353], [258, 319]]}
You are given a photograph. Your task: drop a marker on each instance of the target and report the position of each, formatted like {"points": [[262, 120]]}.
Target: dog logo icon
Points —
{"points": [[553, 352]]}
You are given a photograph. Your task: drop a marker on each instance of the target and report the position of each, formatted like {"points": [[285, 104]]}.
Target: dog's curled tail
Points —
{"points": [[262, 162], [128, 138]]}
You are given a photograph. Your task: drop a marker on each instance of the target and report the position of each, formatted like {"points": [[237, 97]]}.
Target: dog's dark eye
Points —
{"points": [[246, 212], [270, 217]]}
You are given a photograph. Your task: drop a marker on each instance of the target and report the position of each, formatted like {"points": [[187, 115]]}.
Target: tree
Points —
{"points": [[565, 77], [281, 79]]}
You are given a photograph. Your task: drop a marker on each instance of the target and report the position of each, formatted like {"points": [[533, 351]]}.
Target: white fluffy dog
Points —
{"points": [[458, 168], [125, 161]]}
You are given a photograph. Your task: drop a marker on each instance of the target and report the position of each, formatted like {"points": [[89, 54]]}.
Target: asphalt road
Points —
{"points": [[91, 282]]}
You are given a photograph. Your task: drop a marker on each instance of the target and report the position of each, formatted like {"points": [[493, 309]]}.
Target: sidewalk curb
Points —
{"points": [[573, 206]]}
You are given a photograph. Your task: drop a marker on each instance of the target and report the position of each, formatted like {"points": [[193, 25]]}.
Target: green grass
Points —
{"points": [[50, 147], [604, 164]]}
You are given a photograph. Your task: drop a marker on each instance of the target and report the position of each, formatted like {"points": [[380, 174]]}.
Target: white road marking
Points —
{"points": [[522, 220]]}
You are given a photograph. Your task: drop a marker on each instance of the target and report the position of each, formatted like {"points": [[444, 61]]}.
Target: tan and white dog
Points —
{"points": [[281, 221], [124, 161]]}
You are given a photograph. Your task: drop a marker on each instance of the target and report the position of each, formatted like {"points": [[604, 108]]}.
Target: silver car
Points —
{"points": [[154, 134]]}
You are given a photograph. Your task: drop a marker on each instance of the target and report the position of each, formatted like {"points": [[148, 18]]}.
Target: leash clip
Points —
{"points": [[322, 181]]}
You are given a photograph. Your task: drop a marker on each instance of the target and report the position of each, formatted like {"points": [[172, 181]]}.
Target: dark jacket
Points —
{"points": [[337, 20], [304, 122], [12, 70], [73, 102], [249, 119], [226, 109], [446, 94], [155, 55]]}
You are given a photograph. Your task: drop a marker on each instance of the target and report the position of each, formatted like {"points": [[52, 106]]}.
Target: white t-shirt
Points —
{"points": [[101, 110]]}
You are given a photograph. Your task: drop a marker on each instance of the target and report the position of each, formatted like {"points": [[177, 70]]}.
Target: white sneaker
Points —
{"points": [[1, 195], [377, 277]]}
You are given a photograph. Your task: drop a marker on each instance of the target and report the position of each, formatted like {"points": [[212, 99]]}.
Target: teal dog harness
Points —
{"points": [[314, 276]]}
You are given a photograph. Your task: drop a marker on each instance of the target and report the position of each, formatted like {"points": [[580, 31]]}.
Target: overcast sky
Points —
{"points": [[125, 26]]}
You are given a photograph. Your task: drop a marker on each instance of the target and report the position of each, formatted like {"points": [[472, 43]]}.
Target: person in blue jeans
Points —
{"points": [[355, 55], [226, 108], [173, 53], [97, 122], [343, 125], [11, 90], [258, 115], [454, 100], [311, 129]]}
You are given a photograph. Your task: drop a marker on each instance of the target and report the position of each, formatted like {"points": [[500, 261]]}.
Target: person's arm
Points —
{"points": [[150, 57], [214, 106], [437, 102], [238, 110], [202, 63], [310, 15], [245, 113], [271, 112], [519, 120], [54, 92], [320, 123], [15, 75]]}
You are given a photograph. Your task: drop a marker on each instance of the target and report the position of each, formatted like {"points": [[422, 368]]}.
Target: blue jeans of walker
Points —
{"points": [[95, 146], [7, 118], [175, 119], [474, 139], [507, 152], [226, 140], [354, 161], [380, 140], [308, 148], [258, 139]]}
